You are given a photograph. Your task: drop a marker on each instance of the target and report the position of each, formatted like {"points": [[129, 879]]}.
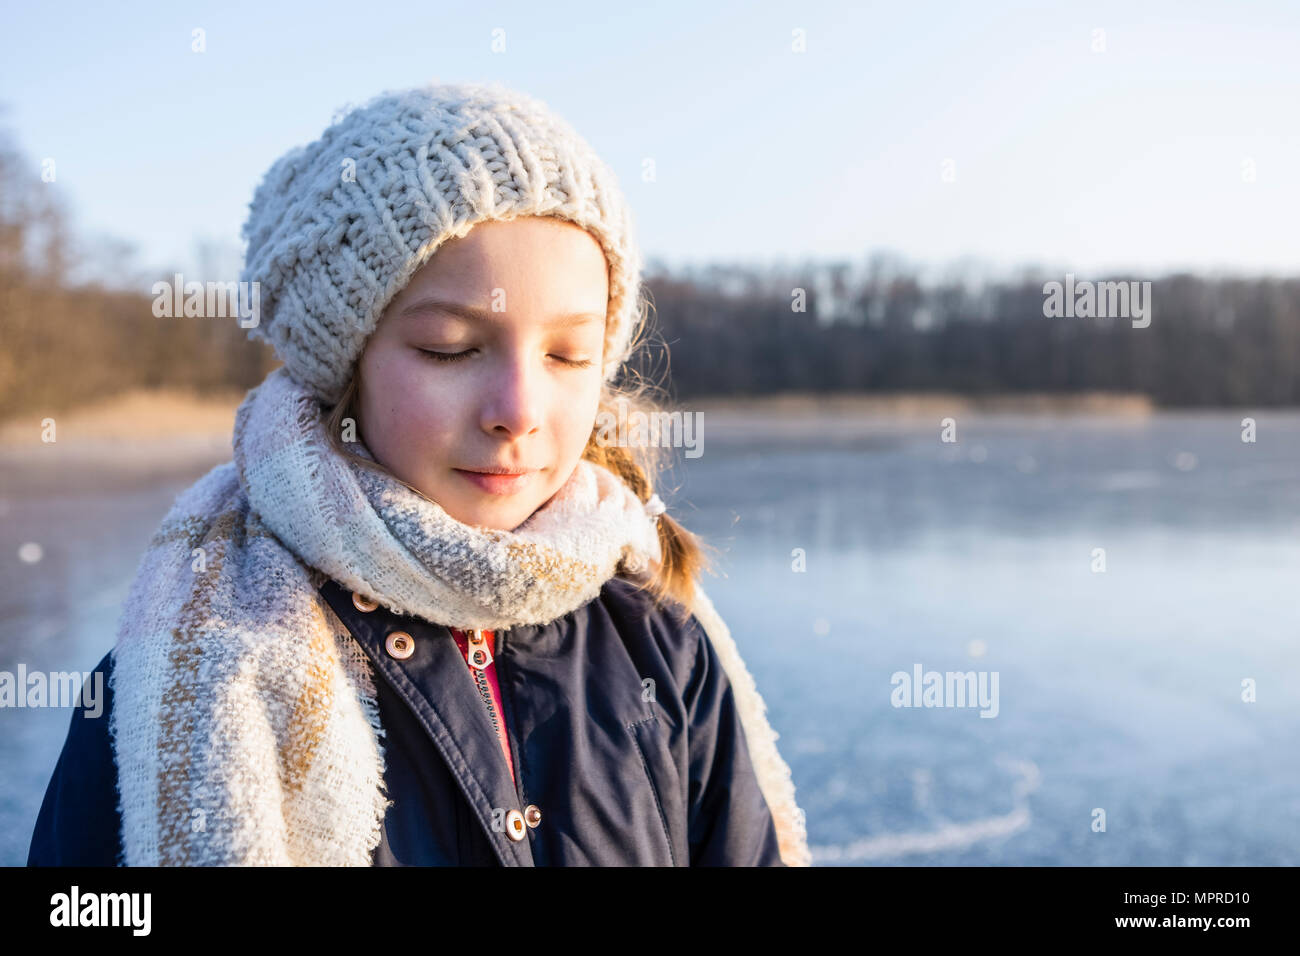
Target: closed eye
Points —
{"points": [[447, 356], [462, 355]]}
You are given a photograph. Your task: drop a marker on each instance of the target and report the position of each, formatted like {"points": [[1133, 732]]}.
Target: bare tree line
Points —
{"points": [[740, 331], [1210, 341], [68, 342]]}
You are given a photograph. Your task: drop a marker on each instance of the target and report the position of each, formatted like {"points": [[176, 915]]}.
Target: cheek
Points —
{"points": [[575, 417], [405, 407]]}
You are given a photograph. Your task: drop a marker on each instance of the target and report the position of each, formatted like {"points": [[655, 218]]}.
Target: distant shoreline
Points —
{"points": [[152, 417], [929, 404], [139, 415]]}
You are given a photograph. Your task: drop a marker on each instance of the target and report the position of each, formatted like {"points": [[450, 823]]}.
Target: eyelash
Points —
{"points": [[461, 356]]}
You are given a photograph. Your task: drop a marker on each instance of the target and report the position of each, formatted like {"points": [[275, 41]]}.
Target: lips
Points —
{"points": [[498, 482]]}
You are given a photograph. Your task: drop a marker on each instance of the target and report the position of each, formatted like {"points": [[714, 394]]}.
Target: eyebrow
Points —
{"points": [[469, 312]]}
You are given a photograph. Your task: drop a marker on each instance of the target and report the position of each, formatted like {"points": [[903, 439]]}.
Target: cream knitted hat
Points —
{"points": [[338, 227]]}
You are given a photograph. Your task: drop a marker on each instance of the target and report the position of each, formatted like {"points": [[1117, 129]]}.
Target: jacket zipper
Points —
{"points": [[479, 658]]}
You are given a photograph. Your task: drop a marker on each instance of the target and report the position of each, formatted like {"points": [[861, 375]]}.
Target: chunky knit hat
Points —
{"points": [[337, 227]]}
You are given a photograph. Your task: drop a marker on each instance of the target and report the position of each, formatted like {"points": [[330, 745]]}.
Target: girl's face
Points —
{"points": [[490, 360]]}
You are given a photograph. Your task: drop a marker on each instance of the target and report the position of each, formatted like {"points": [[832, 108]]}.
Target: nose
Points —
{"points": [[513, 405]]}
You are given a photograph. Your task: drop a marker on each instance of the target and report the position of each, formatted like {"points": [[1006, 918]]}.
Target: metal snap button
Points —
{"points": [[515, 825], [400, 645], [532, 816], [363, 604]]}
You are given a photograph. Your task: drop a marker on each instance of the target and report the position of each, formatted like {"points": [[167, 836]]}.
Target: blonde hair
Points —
{"points": [[684, 554]]}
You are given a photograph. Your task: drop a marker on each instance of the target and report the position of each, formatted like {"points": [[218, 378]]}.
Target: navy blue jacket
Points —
{"points": [[622, 725]]}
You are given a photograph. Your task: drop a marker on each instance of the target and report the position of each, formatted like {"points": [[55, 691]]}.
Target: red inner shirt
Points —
{"points": [[490, 672]]}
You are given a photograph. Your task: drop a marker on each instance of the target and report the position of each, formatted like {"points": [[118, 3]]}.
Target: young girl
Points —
{"points": [[429, 614]]}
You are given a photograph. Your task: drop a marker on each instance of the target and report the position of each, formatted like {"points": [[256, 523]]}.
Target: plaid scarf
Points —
{"points": [[245, 725]]}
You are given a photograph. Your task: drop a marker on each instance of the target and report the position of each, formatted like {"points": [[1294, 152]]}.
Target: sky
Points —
{"points": [[1096, 137]]}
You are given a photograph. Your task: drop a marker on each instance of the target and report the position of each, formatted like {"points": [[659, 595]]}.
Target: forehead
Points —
{"points": [[427, 307], [522, 239], [527, 265]]}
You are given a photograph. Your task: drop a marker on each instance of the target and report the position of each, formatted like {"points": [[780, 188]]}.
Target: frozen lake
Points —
{"points": [[1118, 690]]}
